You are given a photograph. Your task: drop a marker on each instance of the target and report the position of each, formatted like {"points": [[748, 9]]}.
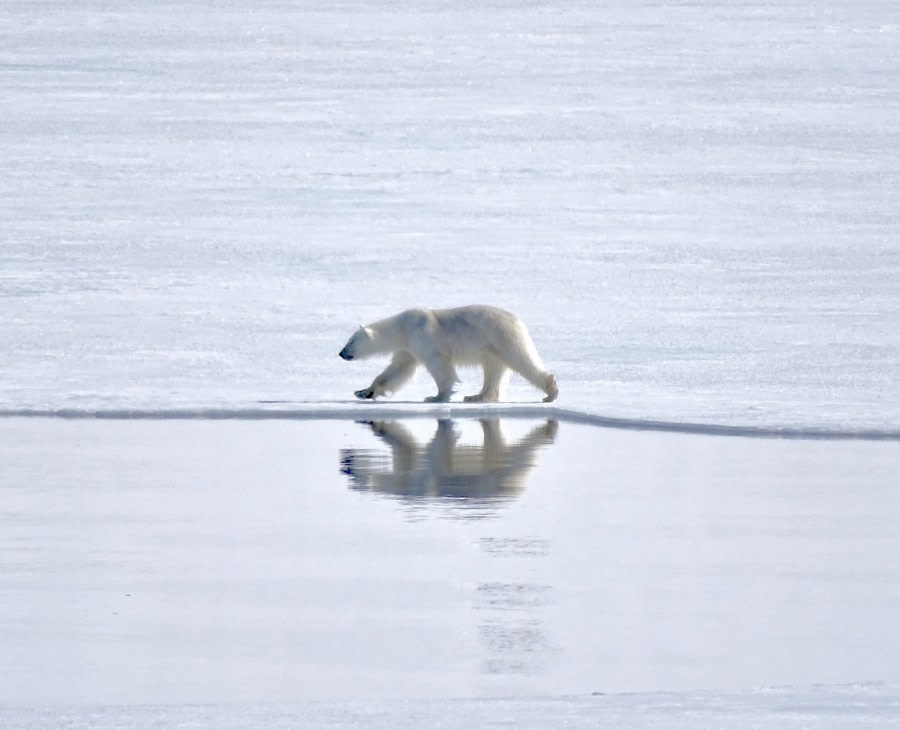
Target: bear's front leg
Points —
{"points": [[441, 369], [440, 397], [401, 368]]}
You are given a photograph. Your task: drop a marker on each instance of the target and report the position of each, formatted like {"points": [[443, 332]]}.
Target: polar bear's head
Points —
{"points": [[361, 344]]}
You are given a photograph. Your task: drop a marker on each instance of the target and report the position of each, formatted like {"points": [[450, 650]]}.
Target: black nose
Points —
{"points": [[346, 355]]}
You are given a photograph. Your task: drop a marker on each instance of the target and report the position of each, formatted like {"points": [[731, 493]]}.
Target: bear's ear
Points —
{"points": [[368, 331]]}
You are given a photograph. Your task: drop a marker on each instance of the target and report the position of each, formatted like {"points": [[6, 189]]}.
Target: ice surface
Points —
{"points": [[693, 205], [156, 562], [849, 706]]}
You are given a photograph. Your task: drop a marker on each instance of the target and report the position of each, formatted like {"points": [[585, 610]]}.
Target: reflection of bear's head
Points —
{"points": [[359, 345]]}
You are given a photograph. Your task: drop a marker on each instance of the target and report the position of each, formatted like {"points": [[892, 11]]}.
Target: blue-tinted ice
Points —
{"points": [[197, 561]]}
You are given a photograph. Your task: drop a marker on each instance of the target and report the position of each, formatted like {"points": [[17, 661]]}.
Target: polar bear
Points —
{"points": [[441, 339]]}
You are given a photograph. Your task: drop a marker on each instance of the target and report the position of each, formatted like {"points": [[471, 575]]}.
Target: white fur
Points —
{"points": [[442, 340]]}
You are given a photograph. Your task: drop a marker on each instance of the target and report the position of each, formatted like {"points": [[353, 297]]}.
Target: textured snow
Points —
{"points": [[693, 205], [847, 706]]}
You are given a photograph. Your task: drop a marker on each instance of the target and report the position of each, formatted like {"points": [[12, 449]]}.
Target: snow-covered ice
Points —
{"points": [[851, 706], [693, 205]]}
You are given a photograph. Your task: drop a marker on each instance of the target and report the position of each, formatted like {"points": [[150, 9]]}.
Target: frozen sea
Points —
{"points": [[443, 572], [693, 205]]}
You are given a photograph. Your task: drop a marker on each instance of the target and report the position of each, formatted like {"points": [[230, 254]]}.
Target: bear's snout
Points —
{"points": [[345, 355]]}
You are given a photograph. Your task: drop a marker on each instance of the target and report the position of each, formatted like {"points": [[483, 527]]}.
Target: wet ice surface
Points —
{"points": [[692, 205], [851, 706], [188, 562]]}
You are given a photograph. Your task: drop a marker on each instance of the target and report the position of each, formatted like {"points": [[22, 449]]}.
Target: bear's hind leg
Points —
{"points": [[534, 374], [550, 388], [494, 372]]}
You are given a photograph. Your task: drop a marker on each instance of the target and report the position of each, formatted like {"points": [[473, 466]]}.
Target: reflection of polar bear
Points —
{"points": [[444, 468], [441, 339]]}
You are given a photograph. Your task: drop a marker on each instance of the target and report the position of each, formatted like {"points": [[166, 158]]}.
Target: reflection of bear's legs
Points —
{"points": [[529, 370], [440, 450], [401, 369], [444, 374], [494, 452], [494, 370]]}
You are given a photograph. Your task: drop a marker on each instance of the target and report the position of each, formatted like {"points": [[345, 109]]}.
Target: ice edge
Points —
{"points": [[371, 411]]}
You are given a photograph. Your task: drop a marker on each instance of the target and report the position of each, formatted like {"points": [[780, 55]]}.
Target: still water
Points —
{"points": [[151, 561]]}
